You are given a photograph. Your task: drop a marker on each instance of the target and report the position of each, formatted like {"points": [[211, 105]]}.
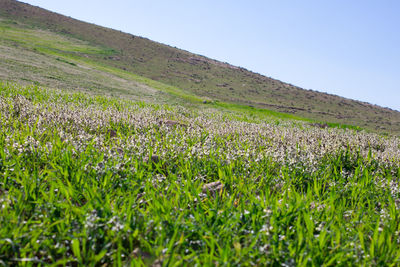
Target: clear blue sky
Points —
{"points": [[346, 47]]}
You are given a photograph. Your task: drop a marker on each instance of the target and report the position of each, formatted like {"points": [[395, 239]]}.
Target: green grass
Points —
{"points": [[91, 179], [74, 192]]}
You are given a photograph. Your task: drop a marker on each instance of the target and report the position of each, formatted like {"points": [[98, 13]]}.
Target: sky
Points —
{"points": [[342, 47]]}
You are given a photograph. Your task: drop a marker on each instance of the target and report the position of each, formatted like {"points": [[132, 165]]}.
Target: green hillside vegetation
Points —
{"points": [[94, 180], [120, 151], [112, 55]]}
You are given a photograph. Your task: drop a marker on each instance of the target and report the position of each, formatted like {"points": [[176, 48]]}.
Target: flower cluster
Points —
{"points": [[138, 131]]}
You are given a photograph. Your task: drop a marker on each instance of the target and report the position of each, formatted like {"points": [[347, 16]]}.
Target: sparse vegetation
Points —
{"points": [[66, 61]]}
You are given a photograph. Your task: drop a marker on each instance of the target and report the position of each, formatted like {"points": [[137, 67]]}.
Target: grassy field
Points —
{"points": [[100, 180], [62, 52], [119, 151]]}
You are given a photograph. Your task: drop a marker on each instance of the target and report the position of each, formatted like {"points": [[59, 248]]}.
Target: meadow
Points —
{"points": [[99, 180]]}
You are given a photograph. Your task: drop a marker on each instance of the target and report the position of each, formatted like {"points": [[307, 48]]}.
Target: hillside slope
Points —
{"points": [[199, 75]]}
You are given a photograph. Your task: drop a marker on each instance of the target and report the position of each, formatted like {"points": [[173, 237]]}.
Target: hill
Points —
{"points": [[105, 162], [119, 55]]}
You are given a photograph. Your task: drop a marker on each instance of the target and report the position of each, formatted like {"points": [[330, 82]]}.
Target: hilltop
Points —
{"points": [[121, 63]]}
